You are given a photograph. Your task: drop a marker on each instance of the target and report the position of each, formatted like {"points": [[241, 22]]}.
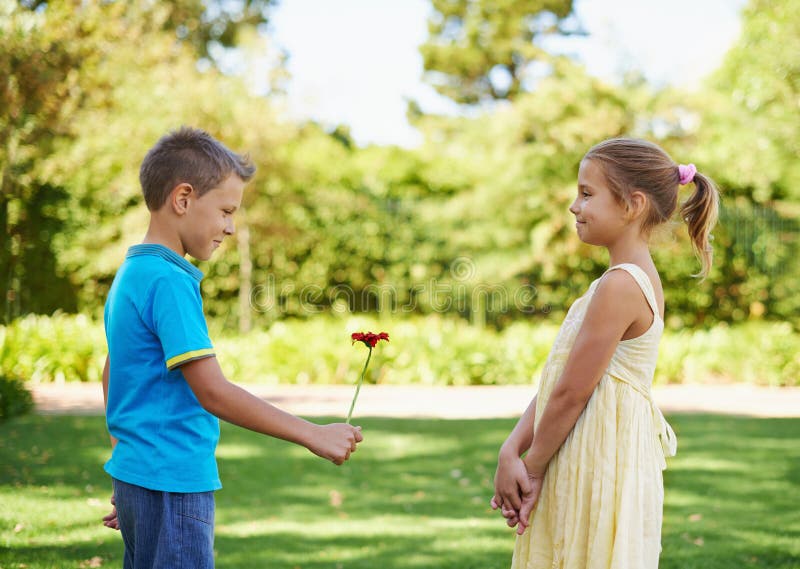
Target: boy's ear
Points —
{"points": [[179, 198]]}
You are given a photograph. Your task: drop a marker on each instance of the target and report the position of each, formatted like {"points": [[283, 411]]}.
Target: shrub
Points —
{"points": [[429, 350], [760, 353], [59, 348], [14, 398]]}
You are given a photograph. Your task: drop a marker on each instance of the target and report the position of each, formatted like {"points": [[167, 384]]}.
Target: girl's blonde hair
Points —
{"points": [[631, 164]]}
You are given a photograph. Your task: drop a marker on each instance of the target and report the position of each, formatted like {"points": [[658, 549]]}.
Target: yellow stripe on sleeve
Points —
{"points": [[175, 361]]}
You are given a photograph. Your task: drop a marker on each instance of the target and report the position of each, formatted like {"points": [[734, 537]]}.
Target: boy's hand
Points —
{"points": [[335, 442], [110, 520]]}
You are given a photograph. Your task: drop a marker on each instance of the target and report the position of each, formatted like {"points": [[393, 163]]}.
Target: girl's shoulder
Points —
{"points": [[619, 283], [629, 281]]}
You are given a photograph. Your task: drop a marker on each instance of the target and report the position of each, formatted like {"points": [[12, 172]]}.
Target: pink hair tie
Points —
{"points": [[686, 173]]}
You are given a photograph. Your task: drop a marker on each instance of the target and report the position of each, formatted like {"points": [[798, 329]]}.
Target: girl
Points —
{"points": [[589, 492]]}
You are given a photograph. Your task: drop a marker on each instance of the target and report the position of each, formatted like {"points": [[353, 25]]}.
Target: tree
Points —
{"points": [[483, 50], [157, 88], [747, 135], [85, 88], [514, 172], [753, 111], [40, 91], [207, 25]]}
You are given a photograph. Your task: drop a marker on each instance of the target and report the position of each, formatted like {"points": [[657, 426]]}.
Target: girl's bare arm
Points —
{"points": [[617, 303]]}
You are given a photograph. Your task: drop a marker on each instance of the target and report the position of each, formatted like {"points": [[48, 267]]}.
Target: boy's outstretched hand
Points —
{"points": [[335, 442]]}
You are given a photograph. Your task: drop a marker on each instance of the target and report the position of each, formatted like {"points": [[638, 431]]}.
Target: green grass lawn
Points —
{"points": [[414, 496]]}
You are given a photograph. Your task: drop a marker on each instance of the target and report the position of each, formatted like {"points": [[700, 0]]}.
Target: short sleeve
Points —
{"points": [[179, 321]]}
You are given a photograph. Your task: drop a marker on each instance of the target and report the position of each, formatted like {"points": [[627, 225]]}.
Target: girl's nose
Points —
{"points": [[573, 208], [229, 228]]}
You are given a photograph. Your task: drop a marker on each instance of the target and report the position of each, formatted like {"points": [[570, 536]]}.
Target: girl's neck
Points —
{"points": [[634, 251]]}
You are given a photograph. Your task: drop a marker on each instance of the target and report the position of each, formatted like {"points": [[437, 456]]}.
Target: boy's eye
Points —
{"points": [[585, 194]]}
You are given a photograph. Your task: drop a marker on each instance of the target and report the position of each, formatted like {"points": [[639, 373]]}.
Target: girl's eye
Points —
{"points": [[585, 194]]}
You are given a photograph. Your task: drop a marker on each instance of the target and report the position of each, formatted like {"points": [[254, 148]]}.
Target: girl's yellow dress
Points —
{"points": [[603, 494]]}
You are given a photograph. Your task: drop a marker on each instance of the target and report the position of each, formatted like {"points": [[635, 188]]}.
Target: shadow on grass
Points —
{"points": [[415, 495], [430, 468], [392, 552]]}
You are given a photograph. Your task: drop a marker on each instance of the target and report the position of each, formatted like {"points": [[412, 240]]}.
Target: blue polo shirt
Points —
{"points": [[154, 323]]}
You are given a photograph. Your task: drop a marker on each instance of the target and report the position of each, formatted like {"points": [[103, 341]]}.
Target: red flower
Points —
{"points": [[370, 340]]}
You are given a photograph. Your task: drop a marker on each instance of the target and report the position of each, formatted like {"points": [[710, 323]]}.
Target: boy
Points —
{"points": [[163, 387]]}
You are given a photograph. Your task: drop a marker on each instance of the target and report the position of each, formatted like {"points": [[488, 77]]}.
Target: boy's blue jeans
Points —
{"points": [[165, 530]]}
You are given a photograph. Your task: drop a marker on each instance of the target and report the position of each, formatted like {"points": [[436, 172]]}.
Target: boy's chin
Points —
{"points": [[201, 255]]}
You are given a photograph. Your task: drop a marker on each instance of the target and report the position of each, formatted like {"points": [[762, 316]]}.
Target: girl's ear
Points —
{"points": [[637, 205], [179, 198]]}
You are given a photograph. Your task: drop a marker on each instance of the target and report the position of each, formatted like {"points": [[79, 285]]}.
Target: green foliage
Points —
{"points": [[479, 211], [58, 348], [210, 26], [758, 352], [756, 106], [39, 92], [104, 212], [446, 351], [483, 50], [70, 189], [414, 495], [14, 398], [433, 350], [338, 226], [517, 170], [741, 128]]}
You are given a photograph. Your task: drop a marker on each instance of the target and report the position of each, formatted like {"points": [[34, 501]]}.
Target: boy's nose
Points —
{"points": [[229, 228]]}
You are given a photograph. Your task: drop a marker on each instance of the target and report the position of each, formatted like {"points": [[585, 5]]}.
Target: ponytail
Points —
{"points": [[700, 214]]}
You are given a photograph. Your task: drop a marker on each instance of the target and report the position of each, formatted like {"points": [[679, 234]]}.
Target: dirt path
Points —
{"points": [[448, 402]]}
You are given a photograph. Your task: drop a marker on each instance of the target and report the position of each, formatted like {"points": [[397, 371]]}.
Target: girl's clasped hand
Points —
{"points": [[516, 491]]}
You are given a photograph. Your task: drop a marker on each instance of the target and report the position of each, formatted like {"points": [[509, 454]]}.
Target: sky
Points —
{"points": [[356, 62]]}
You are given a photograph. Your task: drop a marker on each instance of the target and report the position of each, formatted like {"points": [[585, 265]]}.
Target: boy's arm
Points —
{"points": [[105, 397], [231, 403]]}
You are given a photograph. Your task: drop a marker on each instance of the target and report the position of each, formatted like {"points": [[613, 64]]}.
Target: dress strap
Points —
{"points": [[643, 281]]}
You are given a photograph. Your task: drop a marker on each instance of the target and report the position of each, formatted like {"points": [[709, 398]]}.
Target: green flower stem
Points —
{"points": [[358, 387]]}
